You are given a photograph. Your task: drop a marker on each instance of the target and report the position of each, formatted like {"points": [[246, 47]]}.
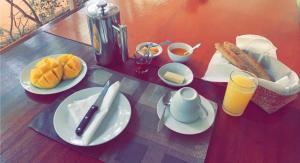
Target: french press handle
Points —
{"points": [[122, 30]]}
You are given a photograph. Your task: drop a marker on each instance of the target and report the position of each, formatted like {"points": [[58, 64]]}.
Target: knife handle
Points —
{"points": [[86, 120]]}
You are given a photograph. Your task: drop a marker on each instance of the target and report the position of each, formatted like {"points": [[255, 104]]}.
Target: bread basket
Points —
{"points": [[271, 96], [270, 101]]}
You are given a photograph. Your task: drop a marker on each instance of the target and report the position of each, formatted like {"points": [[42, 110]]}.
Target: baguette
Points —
{"points": [[252, 65], [241, 59], [230, 56]]}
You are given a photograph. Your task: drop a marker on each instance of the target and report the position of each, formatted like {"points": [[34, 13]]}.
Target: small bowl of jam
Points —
{"points": [[180, 52]]}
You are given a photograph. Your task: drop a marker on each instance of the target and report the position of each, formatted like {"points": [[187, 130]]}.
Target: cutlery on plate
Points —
{"points": [[193, 48], [89, 115], [166, 101]]}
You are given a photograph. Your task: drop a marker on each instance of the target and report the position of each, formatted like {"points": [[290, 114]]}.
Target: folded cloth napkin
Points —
{"points": [[285, 81], [78, 109]]}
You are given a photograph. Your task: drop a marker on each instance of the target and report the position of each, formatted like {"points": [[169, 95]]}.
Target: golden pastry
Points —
{"points": [[47, 73], [71, 65]]}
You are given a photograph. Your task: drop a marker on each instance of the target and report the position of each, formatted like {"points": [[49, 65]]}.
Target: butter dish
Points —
{"points": [[178, 69]]}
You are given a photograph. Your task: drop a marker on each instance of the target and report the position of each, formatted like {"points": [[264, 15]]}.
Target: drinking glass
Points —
{"points": [[240, 89], [142, 61]]}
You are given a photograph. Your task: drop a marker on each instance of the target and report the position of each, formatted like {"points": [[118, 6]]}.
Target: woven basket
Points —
{"points": [[270, 101]]}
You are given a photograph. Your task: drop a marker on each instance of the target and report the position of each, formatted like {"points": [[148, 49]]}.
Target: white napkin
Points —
{"points": [[79, 108], [286, 81], [256, 44]]}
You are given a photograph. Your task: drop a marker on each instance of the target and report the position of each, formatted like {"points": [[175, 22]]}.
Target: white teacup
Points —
{"points": [[186, 105]]}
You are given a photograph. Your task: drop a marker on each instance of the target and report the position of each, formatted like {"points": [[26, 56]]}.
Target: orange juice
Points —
{"points": [[239, 92]]}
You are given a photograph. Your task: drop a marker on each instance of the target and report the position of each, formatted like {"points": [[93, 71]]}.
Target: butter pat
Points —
{"points": [[173, 77]]}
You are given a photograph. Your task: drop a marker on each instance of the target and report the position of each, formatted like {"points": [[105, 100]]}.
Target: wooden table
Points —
{"points": [[254, 137], [204, 21]]}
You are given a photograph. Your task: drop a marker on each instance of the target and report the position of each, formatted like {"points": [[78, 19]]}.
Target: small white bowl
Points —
{"points": [[179, 58], [139, 46], [177, 68]]}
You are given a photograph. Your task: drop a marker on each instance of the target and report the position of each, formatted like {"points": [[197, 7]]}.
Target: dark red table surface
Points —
{"points": [[254, 137], [205, 21]]}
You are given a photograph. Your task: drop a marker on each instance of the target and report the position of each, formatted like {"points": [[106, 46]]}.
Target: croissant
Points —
{"points": [[71, 66], [47, 73]]}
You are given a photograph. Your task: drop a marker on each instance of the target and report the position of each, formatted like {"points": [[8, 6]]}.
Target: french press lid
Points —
{"points": [[101, 9]]}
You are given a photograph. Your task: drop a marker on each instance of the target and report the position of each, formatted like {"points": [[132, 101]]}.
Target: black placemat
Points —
{"points": [[139, 142]]}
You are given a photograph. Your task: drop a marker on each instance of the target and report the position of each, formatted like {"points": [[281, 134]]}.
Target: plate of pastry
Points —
{"points": [[53, 74]]}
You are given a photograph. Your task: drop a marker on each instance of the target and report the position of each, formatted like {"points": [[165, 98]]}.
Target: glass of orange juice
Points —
{"points": [[240, 89]]}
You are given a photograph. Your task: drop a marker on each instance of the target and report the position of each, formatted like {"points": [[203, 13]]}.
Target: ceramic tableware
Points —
{"points": [[196, 127], [62, 86], [186, 105], [152, 44], [177, 68], [179, 58], [114, 123]]}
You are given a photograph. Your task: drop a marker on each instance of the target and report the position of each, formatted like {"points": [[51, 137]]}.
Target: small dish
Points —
{"points": [[196, 127], [143, 44], [62, 86], [177, 68], [180, 58]]}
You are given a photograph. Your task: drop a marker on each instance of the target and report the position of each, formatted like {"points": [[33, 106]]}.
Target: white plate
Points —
{"points": [[199, 126], [139, 46], [113, 124], [62, 86], [177, 68]]}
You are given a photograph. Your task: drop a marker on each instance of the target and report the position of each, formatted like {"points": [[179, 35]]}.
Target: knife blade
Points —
{"points": [[88, 116]]}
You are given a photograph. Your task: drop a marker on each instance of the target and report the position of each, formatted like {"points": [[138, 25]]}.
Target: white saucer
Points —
{"points": [[62, 86], [114, 123], [196, 127], [177, 68]]}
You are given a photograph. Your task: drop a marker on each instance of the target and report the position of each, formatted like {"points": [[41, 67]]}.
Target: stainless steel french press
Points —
{"points": [[108, 36]]}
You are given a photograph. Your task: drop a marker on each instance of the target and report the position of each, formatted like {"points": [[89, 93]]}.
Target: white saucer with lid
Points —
{"points": [[196, 127]]}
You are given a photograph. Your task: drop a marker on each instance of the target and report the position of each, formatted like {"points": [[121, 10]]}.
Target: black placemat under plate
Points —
{"points": [[139, 142]]}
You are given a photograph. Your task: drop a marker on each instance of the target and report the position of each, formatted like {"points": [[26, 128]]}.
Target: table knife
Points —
{"points": [[89, 115]]}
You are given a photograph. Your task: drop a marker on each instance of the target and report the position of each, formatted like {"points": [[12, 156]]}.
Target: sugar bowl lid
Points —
{"points": [[101, 9]]}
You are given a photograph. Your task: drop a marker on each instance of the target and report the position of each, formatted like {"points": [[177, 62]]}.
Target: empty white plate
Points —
{"points": [[113, 124], [199, 126], [177, 68], [62, 86]]}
